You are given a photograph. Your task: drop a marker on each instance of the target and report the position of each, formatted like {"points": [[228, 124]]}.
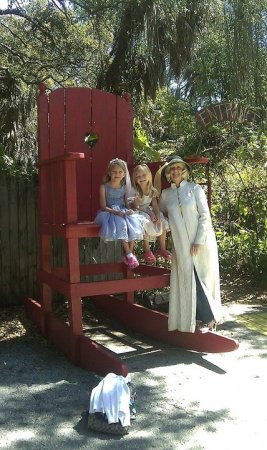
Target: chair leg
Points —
{"points": [[75, 315], [74, 276]]}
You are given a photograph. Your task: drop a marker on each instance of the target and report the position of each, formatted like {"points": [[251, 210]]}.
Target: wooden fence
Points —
{"points": [[18, 238], [19, 256]]}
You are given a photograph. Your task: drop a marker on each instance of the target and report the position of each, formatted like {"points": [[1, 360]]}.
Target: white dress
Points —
{"points": [[190, 223], [151, 229]]}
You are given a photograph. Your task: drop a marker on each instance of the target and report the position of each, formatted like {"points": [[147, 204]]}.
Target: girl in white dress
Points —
{"points": [[155, 225], [195, 284]]}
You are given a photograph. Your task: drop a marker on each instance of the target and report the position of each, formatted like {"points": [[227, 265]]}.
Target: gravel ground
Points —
{"points": [[185, 400]]}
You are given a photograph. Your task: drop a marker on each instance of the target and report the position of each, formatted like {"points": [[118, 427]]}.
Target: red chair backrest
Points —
{"points": [[66, 116]]}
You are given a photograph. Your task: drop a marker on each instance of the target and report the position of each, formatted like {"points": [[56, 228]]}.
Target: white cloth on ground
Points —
{"points": [[112, 397]]}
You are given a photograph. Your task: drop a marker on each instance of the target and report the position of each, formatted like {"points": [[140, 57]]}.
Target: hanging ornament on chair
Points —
{"points": [[91, 139]]}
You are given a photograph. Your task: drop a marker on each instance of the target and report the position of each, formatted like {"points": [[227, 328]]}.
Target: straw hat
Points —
{"points": [[165, 170], [175, 160]]}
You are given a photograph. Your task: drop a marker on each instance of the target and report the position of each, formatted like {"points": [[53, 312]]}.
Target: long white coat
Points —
{"points": [[190, 223]]}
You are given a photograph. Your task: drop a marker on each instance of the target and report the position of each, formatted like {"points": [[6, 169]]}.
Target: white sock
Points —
{"points": [[129, 255]]}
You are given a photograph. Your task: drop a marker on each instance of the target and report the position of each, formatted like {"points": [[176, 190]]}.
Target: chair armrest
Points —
{"points": [[70, 156]]}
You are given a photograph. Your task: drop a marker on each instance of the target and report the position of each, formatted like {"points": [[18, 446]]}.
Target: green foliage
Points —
{"points": [[175, 57], [16, 167], [167, 122], [238, 155], [142, 150], [243, 253], [239, 198]]}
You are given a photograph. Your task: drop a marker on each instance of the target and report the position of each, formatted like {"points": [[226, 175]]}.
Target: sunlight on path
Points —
{"points": [[256, 322]]}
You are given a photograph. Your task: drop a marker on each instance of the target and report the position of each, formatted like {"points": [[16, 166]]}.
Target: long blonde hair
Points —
{"points": [[121, 164], [151, 190]]}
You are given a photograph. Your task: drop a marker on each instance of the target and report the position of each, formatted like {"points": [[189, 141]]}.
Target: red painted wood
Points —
{"points": [[58, 177], [46, 297], [145, 269], [62, 336], [57, 122], [42, 201], [61, 197], [56, 283], [70, 192], [46, 265], [45, 252], [95, 358], [70, 174], [155, 324], [35, 312], [104, 124], [103, 287], [85, 229], [43, 148], [73, 260], [117, 286], [43, 131], [66, 157], [53, 194], [104, 268], [108, 268], [78, 123], [75, 315], [80, 349], [196, 159]]}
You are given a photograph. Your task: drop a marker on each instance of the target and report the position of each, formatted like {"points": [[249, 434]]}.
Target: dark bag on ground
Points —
{"points": [[98, 422]]}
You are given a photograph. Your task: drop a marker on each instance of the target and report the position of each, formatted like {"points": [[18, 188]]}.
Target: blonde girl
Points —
{"points": [[116, 219], [155, 225]]}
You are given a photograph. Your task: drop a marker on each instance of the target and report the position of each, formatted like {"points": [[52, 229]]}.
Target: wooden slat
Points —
{"points": [[43, 195], [14, 238], [155, 324], [43, 132], [119, 286], [57, 122], [86, 229], [78, 123], [5, 238], [57, 284], [22, 249], [70, 192], [103, 123]]}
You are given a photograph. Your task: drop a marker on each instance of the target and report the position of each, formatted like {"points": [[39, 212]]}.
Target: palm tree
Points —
{"points": [[155, 40]]}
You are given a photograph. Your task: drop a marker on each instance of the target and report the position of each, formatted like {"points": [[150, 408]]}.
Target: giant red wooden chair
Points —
{"points": [[69, 177]]}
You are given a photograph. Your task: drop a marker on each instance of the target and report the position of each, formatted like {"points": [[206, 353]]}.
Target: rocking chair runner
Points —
{"points": [[69, 177]]}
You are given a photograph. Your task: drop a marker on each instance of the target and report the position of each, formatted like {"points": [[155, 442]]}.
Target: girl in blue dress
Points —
{"points": [[116, 219]]}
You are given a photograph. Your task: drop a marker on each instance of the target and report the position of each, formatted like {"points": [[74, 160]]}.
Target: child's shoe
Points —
{"points": [[125, 260], [149, 258], [164, 254], [132, 262]]}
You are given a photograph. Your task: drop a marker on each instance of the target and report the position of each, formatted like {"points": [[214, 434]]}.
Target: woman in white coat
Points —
{"points": [[195, 286]]}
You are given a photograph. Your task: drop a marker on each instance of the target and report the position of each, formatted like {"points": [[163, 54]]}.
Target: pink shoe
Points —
{"points": [[149, 257], [125, 260], [130, 262], [164, 254]]}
